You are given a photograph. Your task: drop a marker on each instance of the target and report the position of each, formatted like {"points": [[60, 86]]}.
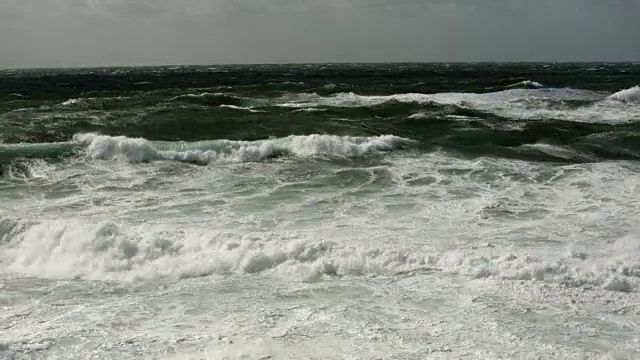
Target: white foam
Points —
{"points": [[240, 108], [79, 102], [311, 109], [70, 102], [105, 147], [355, 100], [527, 83], [419, 116], [615, 268], [200, 95], [66, 249], [27, 170], [425, 115], [628, 96], [524, 104]]}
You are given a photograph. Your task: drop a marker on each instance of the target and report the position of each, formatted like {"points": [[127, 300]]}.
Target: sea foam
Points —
{"points": [[65, 249], [109, 250]]}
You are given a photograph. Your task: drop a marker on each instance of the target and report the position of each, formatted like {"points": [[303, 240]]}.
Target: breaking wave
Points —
{"points": [[628, 96], [68, 249], [210, 99], [105, 147], [355, 100], [529, 102], [527, 84], [240, 108]]}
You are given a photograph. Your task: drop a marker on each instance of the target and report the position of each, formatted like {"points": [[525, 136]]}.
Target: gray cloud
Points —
{"points": [[130, 32], [134, 10]]}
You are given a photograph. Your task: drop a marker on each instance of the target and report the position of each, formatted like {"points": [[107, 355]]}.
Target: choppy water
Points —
{"points": [[407, 211]]}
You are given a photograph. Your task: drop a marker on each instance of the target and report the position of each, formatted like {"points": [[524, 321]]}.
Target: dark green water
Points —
{"points": [[504, 110]]}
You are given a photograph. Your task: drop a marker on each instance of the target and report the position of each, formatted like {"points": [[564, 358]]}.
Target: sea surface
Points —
{"points": [[353, 211]]}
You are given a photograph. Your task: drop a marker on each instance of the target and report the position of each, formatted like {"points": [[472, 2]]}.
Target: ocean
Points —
{"points": [[321, 211]]}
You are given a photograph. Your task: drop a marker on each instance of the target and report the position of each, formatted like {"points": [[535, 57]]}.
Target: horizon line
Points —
{"points": [[71, 67]]}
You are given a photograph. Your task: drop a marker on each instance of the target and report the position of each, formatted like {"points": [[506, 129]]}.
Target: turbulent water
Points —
{"points": [[406, 211]]}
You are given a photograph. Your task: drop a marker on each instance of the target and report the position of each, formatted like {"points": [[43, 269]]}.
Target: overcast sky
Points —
{"points": [[52, 33]]}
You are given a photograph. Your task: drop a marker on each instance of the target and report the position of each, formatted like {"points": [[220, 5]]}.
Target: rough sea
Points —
{"points": [[355, 211]]}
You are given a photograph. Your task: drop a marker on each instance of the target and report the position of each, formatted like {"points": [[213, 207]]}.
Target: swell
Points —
{"points": [[464, 135], [182, 115], [370, 78], [187, 118], [526, 120]]}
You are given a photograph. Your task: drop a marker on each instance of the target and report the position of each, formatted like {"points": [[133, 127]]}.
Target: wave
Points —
{"points": [[80, 103], [105, 147], [66, 249], [137, 150], [554, 152], [210, 99], [527, 84], [195, 96], [515, 103], [628, 96], [454, 130], [309, 110], [354, 100], [240, 108], [73, 248], [70, 102]]}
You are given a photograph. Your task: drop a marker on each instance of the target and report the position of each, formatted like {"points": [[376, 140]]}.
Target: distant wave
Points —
{"points": [[82, 103], [355, 100], [70, 102], [311, 109], [210, 99], [240, 108], [195, 96], [516, 103], [527, 84]]}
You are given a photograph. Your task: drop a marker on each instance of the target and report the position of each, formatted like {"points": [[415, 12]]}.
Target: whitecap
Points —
{"points": [[240, 108], [104, 147], [629, 96], [528, 84]]}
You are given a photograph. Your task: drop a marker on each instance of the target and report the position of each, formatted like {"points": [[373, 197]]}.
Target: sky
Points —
{"points": [[80, 33]]}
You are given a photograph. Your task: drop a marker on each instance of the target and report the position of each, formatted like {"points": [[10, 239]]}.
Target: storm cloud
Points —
{"points": [[36, 33]]}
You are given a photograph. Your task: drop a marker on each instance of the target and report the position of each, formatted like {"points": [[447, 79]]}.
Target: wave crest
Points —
{"points": [[104, 147], [527, 84], [629, 96]]}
